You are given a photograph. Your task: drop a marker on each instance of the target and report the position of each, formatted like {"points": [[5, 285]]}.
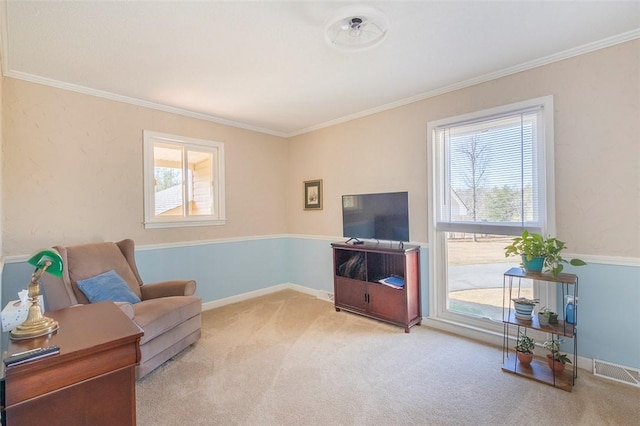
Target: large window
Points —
{"points": [[492, 177], [183, 181]]}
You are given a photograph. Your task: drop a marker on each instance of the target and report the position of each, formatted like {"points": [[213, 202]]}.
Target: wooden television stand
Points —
{"points": [[358, 270]]}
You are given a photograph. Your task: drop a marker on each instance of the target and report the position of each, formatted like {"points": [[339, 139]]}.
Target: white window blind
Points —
{"points": [[491, 174]]}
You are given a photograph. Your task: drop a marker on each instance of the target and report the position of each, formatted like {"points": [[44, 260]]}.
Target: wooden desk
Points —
{"points": [[90, 382]]}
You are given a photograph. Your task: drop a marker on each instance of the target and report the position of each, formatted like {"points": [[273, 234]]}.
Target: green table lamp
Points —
{"points": [[36, 324]]}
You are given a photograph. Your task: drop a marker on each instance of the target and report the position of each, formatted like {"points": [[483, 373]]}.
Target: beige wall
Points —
{"points": [[72, 163], [1, 177], [597, 151], [380, 153], [72, 171]]}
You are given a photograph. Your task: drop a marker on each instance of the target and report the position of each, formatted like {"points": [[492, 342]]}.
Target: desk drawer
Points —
{"points": [[27, 381]]}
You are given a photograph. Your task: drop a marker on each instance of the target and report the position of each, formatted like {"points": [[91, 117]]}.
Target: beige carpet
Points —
{"points": [[291, 359]]}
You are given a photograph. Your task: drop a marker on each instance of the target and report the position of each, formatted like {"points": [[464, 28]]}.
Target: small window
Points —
{"points": [[183, 181]]}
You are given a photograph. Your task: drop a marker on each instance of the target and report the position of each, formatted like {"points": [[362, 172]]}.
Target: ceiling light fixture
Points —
{"points": [[354, 28]]}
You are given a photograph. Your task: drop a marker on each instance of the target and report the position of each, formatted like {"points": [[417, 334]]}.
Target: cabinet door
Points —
{"points": [[387, 303], [350, 294]]}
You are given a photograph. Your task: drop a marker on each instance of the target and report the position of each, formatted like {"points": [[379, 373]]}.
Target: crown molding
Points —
{"points": [[570, 53], [136, 101]]}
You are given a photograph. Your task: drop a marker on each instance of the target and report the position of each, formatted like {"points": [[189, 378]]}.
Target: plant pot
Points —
{"points": [[556, 366], [525, 359], [543, 320], [534, 265], [523, 311], [553, 318]]}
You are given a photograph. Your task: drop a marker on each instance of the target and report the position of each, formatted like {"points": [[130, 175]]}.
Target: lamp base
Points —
{"points": [[35, 325], [22, 333]]}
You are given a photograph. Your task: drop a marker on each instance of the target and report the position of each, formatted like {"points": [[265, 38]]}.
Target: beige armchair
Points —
{"points": [[168, 313]]}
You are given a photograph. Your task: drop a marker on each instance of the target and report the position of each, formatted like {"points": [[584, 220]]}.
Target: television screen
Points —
{"points": [[376, 216]]}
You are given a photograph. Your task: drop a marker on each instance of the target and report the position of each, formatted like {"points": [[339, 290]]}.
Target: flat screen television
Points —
{"points": [[383, 216]]}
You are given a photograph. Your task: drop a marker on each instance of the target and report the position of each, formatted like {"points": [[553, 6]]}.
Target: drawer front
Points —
{"points": [[30, 382]]}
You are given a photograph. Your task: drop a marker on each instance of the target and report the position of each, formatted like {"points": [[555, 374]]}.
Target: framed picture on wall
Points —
{"points": [[313, 194]]}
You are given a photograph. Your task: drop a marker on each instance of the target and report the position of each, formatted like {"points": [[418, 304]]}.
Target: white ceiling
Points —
{"points": [[265, 65]]}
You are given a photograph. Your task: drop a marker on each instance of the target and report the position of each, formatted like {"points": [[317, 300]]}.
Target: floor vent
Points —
{"points": [[619, 373]]}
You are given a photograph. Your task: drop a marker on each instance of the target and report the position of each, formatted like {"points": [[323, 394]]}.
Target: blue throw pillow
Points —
{"points": [[107, 286]]}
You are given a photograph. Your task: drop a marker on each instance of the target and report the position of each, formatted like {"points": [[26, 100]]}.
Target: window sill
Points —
{"points": [[182, 223], [491, 335]]}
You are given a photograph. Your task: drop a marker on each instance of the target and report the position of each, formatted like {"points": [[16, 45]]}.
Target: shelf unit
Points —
{"points": [[357, 269], [539, 370]]}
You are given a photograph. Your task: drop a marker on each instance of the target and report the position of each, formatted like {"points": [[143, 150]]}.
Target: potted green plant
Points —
{"points": [[546, 316], [543, 316], [539, 253], [530, 247], [524, 307], [524, 348], [555, 359]]}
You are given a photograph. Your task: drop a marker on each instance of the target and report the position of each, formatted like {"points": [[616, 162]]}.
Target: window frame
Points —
{"points": [[438, 249], [151, 220], [444, 219]]}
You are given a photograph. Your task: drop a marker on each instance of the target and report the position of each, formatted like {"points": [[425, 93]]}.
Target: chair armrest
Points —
{"points": [[127, 308], [168, 288]]}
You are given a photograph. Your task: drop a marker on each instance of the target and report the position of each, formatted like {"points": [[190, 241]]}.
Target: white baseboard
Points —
{"points": [[323, 295], [475, 333]]}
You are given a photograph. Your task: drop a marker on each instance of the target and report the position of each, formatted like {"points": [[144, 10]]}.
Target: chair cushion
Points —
{"points": [[156, 316], [107, 286]]}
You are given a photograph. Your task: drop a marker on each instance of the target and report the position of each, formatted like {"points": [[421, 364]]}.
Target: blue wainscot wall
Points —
{"points": [[228, 271], [609, 313], [221, 269]]}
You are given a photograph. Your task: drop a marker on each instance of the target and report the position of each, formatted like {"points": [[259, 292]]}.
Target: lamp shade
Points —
{"points": [[51, 256]]}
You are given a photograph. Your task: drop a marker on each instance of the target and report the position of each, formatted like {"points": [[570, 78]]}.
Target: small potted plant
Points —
{"points": [[538, 253], [524, 307], [531, 248], [543, 316], [524, 348], [546, 316], [555, 359]]}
